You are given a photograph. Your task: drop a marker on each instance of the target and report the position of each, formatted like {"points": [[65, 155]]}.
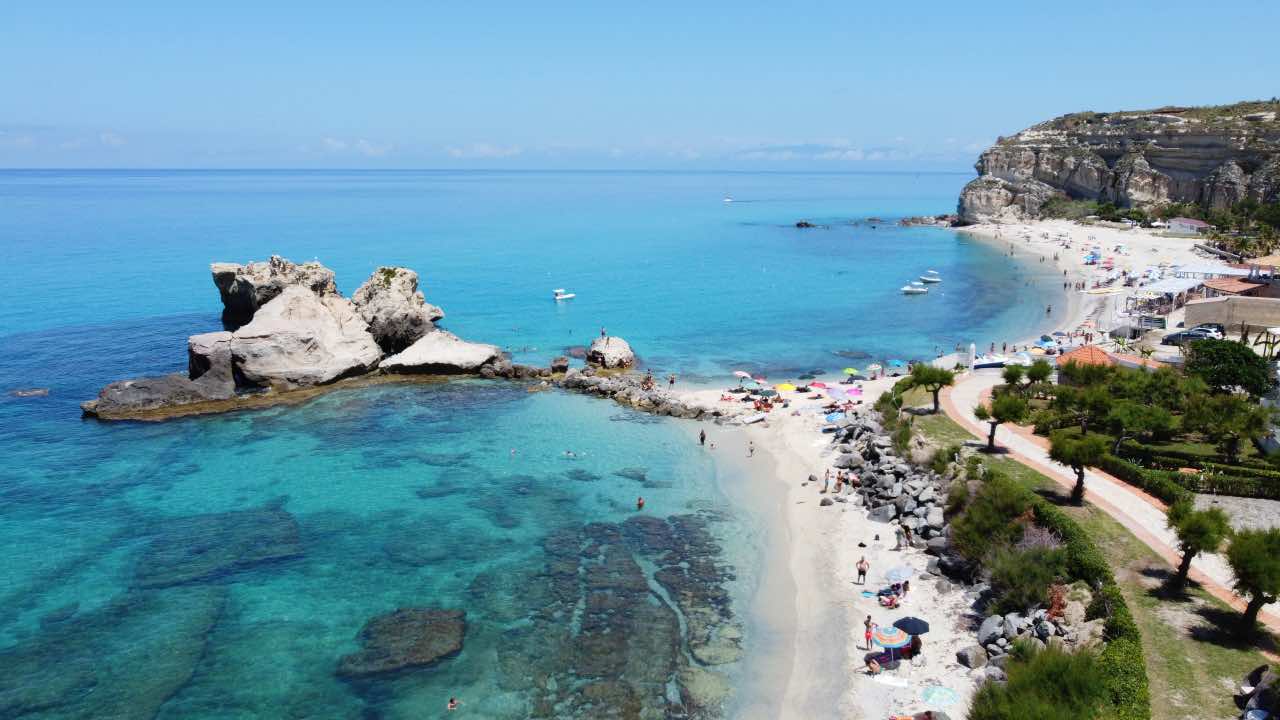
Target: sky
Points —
{"points": [[839, 86]]}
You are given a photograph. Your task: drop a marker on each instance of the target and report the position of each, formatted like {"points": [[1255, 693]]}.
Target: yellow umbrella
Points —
{"points": [[851, 371], [784, 387]]}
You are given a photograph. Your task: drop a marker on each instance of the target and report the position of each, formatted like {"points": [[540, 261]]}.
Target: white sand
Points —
{"points": [[827, 677]]}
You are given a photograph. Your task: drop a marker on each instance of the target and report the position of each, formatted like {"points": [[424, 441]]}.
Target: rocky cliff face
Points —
{"points": [[1215, 156]]}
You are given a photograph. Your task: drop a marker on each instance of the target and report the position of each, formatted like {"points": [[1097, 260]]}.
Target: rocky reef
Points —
{"points": [[288, 331], [406, 638], [1213, 156]]}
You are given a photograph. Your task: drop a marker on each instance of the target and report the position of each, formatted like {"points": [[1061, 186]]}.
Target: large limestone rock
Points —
{"points": [[1213, 156], [126, 398], [397, 313], [442, 353], [406, 638], [245, 288], [209, 357], [300, 339], [610, 352]]}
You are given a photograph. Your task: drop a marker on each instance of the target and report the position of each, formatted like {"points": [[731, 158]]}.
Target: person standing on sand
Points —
{"points": [[702, 437], [863, 566], [869, 627], [897, 536], [751, 448]]}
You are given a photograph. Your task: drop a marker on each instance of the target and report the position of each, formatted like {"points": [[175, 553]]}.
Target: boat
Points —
{"points": [[915, 288], [989, 361], [728, 199], [931, 276], [560, 294]]}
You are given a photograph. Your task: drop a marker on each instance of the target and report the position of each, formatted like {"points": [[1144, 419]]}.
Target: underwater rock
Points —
{"points": [[123, 661], [205, 547], [405, 638], [638, 474]]}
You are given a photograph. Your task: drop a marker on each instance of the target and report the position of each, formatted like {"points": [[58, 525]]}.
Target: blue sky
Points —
{"points": [[710, 85]]}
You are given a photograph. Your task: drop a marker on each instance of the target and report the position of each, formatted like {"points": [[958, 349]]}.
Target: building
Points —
{"points": [[1223, 287], [1188, 226], [1087, 355], [1232, 311]]}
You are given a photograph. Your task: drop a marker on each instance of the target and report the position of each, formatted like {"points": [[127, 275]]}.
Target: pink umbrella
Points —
{"points": [[821, 385]]}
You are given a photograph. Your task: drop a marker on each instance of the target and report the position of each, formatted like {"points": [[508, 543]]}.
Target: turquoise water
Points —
{"points": [[222, 567]]}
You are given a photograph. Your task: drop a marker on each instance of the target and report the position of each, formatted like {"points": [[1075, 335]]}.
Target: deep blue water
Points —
{"points": [[325, 515]]}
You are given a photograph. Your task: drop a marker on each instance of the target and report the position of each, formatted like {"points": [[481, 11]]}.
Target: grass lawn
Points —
{"points": [[1191, 664]]}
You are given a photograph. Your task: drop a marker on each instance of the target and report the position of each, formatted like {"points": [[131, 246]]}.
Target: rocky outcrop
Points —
{"points": [[395, 309], [1215, 156], [634, 391], [300, 339], [245, 288], [406, 638], [139, 396], [442, 353], [610, 352]]}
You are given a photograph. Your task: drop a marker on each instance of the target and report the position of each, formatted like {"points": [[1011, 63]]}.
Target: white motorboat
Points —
{"points": [[915, 288], [728, 199], [931, 276], [560, 294], [990, 361]]}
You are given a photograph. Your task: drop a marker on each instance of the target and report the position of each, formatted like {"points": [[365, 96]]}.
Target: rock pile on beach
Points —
{"points": [[893, 489], [629, 389], [1068, 630], [286, 327]]}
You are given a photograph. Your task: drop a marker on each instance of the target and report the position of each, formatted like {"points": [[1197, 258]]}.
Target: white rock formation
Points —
{"points": [[245, 288], [442, 353], [395, 309], [610, 352], [300, 339]]}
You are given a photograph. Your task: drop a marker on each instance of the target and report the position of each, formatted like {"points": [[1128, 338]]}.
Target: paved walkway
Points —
{"points": [[1140, 513]]}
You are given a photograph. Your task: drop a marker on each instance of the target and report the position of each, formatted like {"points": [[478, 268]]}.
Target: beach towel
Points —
{"points": [[891, 680]]}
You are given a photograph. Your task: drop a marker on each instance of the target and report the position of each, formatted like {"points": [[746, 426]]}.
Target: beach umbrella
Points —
{"points": [[851, 371], [874, 368], [768, 393], [912, 625], [819, 385], [900, 573], [742, 374], [1045, 339], [1059, 333], [760, 379], [890, 637], [835, 416], [784, 387]]}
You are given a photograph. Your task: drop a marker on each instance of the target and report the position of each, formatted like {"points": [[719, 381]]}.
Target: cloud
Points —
{"points": [[836, 151], [483, 151], [372, 149], [333, 144], [111, 139]]}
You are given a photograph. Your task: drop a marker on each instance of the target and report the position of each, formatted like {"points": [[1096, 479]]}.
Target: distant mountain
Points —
{"points": [[1214, 156]]}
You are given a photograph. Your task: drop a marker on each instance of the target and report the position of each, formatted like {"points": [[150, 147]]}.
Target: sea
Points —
{"points": [[376, 551]]}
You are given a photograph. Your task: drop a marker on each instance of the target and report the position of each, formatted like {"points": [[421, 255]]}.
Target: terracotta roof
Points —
{"points": [[1233, 286], [1087, 355]]}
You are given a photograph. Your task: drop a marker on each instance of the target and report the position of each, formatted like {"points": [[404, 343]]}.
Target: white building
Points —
{"points": [[1188, 226]]}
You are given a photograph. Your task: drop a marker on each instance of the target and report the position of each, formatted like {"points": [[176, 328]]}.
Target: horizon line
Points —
{"points": [[690, 171]]}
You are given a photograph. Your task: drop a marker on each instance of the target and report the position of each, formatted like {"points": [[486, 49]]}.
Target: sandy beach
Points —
{"points": [[815, 548]]}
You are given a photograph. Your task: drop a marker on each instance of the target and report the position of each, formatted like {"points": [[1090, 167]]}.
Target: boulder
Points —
{"points": [[560, 365], [406, 638], [972, 657], [928, 494], [126, 398], [883, 513], [245, 288], [933, 517], [393, 306], [995, 673], [301, 339], [848, 461], [826, 501], [1013, 625], [442, 353], [610, 352], [991, 630], [209, 355]]}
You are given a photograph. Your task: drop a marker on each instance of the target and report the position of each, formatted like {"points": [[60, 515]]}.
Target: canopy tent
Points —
{"points": [[1204, 270], [1173, 286]]}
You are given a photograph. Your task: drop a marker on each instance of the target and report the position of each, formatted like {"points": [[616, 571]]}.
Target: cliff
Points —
{"points": [[1215, 156]]}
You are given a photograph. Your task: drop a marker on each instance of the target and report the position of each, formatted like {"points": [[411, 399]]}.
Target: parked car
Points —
{"points": [[1185, 336], [1214, 329]]}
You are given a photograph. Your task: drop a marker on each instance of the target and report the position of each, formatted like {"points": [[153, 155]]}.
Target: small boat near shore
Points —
{"points": [[915, 288], [931, 276], [560, 294], [989, 361]]}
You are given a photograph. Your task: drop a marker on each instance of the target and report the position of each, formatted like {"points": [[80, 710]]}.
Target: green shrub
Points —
{"points": [[1162, 484], [990, 518], [1020, 579], [957, 497], [1050, 684], [943, 457]]}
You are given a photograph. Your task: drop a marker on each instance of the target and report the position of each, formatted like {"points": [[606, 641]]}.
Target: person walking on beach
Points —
{"points": [[863, 566], [897, 536], [869, 628], [751, 448], [702, 437]]}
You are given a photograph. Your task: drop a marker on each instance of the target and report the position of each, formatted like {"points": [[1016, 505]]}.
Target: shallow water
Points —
{"points": [[223, 566]]}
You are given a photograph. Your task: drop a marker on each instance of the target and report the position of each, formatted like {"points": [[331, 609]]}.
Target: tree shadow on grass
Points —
{"points": [[1220, 629]]}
